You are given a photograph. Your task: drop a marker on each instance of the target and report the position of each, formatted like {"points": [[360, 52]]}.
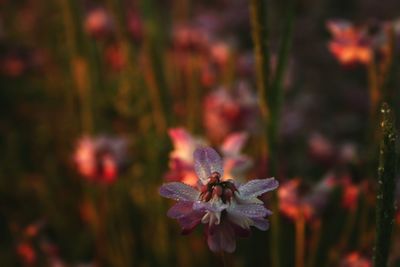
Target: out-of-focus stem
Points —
{"points": [[271, 93], [192, 97], [316, 235], [300, 239], [155, 98], [260, 34], [386, 185], [373, 89], [78, 66], [275, 97], [223, 259], [345, 234]]}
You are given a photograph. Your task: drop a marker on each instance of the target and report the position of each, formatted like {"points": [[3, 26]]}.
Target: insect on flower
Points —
{"points": [[226, 208]]}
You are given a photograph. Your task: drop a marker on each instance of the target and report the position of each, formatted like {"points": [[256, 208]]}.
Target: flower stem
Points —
{"points": [[260, 33], [300, 228], [316, 239], [386, 184], [223, 259], [270, 92]]}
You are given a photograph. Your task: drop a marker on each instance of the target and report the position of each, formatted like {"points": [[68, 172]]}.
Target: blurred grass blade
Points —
{"points": [[386, 185]]}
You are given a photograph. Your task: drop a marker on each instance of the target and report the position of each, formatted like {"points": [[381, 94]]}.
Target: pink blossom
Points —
{"points": [[100, 159], [226, 208], [295, 203], [27, 253], [181, 158], [98, 23], [349, 44], [229, 111], [355, 259]]}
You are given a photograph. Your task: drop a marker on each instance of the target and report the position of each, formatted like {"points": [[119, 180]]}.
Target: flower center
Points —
{"points": [[217, 189]]}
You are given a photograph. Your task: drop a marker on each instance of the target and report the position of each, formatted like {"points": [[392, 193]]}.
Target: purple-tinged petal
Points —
{"points": [[207, 161], [261, 223], [180, 209], [234, 143], [236, 166], [209, 206], [190, 221], [179, 192], [250, 210], [257, 187], [222, 238]]}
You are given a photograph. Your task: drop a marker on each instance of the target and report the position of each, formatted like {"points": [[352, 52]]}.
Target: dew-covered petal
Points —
{"points": [[190, 221], [179, 191], [222, 238], [257, 187], [180, 209], [250, 210], [207, 161], [234, 143], [216, 206], [261, 223]]}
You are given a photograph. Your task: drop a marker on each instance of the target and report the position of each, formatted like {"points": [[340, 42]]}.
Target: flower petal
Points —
{"points": [[180, 209], [179, 191], [207, 161], [222, 238], [257, 187], [184, 144], [190, 221], [216, 206], [261, 223], [250, 210], [234, 143]]}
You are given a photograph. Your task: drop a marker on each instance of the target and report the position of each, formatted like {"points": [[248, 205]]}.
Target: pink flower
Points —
{"points": [[181, 158], [229, 111], [294, 203], [135, 25], [349, 44], [114, 57], [355, 259], [27, 253], [190, 38], [100, 159], [321, 148], [226, 208], [351, 192], [98, 23]]}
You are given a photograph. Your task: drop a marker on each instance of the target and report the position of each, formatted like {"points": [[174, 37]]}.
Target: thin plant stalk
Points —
{"points": [[155, 98], [275, 98], [373, 85], [300, 240], [315, 240], [271, 93], [260, 34], [385, 209]]}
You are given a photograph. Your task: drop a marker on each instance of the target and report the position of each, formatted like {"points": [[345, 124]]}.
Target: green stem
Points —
{"points": [[258, 12], [271, 93], [275, 98], [386, 184]]}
